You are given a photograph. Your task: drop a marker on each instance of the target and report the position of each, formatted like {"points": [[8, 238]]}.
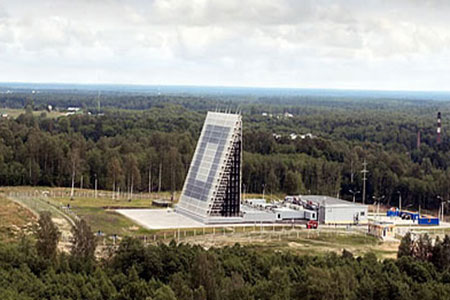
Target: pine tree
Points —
{"points": [[83, 241], [47, 236], [406, 246]]}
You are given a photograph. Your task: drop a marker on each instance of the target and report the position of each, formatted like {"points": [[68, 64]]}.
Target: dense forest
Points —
{"points": [[36, 270], [137, 135]]}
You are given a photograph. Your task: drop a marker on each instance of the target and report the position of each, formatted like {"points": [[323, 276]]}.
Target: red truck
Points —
{"points": [[312, 224]]}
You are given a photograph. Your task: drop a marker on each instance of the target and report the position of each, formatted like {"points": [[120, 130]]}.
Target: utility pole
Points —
{"points": [[442, 207], [95, 186], [377, 201], [364, 171], [399, 200], [354, 193], [264, 190], [131, 188], [150, 179], [159, 183]]}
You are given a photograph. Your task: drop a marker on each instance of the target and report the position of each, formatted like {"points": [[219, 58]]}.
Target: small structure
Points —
{"points": [[382, 229], [408, 215], [288, 214], [73, 111]]}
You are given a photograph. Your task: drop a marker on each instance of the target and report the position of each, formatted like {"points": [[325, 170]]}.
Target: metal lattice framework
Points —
{"points": [[213, 184]]}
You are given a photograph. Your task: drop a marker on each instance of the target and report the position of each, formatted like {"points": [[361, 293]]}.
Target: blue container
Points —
{"points": [[432, 221], [392, 213], [413, 216]]}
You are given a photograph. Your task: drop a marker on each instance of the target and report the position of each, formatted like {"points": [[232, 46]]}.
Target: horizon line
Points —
{"points": [[219, 86]]}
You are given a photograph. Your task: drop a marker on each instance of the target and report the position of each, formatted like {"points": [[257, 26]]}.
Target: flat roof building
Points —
{"points": [[337, 211]]}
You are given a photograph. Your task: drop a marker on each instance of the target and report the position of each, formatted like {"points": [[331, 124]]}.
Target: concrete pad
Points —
{"points": [[160, 218]]}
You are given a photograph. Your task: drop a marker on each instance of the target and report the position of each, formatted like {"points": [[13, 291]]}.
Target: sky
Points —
{"points": [[343, 44]]}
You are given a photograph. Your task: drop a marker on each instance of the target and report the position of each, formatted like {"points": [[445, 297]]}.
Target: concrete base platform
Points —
{"points": [[170, 219], [160, 218]]}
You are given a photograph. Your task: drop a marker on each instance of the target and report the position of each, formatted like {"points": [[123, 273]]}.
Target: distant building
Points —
{"points": [[382, 230], [73, 111], [288, 115], [307, 135], [276, 136]]}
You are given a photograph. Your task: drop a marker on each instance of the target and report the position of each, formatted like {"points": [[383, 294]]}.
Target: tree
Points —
{"points": [[47, 236], [293, 184], [114, 173], [423, 247], [83, 241], [406, 247], [164, 293], [133, 174]]}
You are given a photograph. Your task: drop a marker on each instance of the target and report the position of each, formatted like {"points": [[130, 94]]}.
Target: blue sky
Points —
{"points": [[348, 44]]}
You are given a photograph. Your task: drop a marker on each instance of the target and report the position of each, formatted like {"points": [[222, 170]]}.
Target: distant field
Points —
{"points": [[14, 113]]}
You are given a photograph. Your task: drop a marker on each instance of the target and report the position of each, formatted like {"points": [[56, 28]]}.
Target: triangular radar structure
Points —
{"points": [[212, 188]]}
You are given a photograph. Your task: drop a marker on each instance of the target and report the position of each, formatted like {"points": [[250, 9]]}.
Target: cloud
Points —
{"points": [[321, 43]]}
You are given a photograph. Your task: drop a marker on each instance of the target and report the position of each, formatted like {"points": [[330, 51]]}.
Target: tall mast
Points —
{"points": [[364, 171], [439, 128]]}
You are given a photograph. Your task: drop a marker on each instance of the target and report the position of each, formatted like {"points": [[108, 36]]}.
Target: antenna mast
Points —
{"points": [[439, 128], [98, 102], [364, 171]]}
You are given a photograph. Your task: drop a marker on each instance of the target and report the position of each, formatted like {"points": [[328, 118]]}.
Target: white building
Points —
{"points": [[337, 211]]}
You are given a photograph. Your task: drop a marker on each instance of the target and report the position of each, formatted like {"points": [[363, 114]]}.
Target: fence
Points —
{"points": [[243, 234], [81, 194]]}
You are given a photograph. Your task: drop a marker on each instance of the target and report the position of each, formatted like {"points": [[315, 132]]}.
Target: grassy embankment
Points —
{"points": [[15, 220]]}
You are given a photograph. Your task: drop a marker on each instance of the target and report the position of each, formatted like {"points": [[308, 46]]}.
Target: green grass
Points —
{"points": [[320, 243], [110, 222], [102, 202]]}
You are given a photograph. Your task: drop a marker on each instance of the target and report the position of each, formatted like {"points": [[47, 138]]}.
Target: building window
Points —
{"points": [[362, 213]]}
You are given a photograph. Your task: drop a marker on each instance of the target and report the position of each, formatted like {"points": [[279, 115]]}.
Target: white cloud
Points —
{"points": [[338, 44]]}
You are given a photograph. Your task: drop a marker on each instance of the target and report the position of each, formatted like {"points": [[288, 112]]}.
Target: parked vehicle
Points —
{"points": [[312, 224]]}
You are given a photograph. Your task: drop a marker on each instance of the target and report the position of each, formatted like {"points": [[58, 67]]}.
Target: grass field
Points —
{"points": [[110, 222]]}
